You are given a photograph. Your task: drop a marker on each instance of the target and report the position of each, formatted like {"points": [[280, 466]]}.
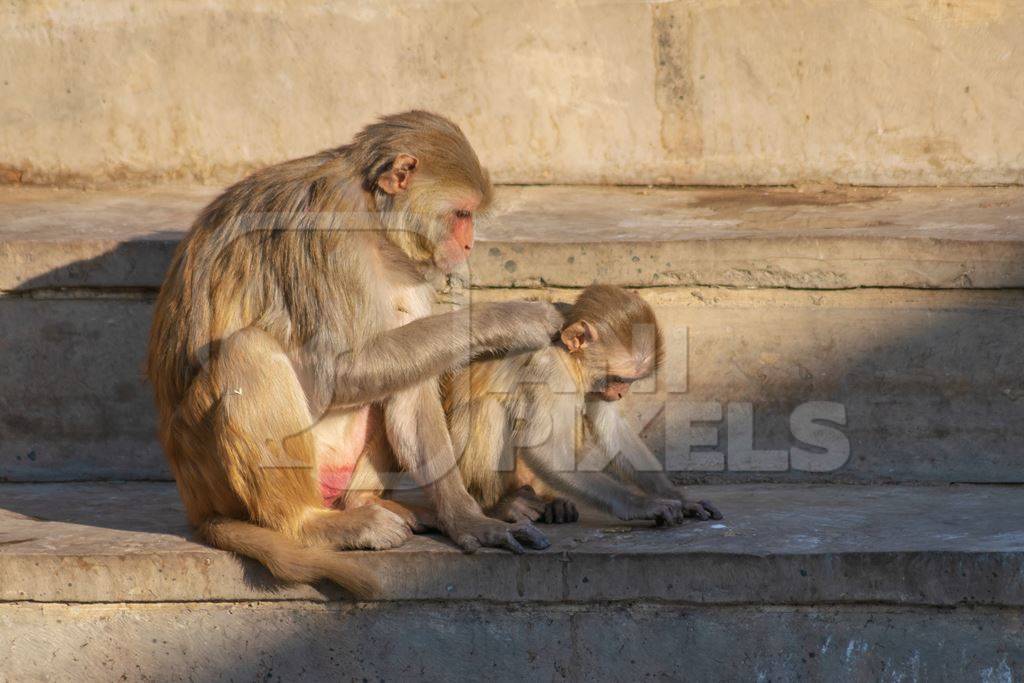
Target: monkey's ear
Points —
{"points": [[396, 178], [578, 335]]}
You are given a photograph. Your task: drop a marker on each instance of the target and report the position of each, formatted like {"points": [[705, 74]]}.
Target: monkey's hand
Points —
{"points": [[521, 505], [473, 531], [524, 505], [702, 510], [560, 511], [515, 325], [663, 511]]}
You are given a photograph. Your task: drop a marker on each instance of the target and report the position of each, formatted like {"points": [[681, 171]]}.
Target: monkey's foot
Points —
{"points": [[702, 510], [374, 528], [475, 531]]}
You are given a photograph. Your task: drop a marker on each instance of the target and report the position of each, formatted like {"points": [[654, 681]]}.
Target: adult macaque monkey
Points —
{"points": [[527, 406], [300, 297]]}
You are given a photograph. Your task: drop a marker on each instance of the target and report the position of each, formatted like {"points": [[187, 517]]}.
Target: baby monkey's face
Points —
{"points": [[610, 365]]}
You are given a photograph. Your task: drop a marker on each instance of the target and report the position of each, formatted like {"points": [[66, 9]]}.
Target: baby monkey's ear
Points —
{"points": [[578, 335]]}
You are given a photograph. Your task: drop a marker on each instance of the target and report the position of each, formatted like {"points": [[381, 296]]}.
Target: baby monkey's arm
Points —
{"points": [[600, 491], [633, 462]]}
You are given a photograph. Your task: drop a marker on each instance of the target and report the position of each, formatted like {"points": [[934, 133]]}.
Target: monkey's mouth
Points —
{"points": [[449, 258], [605, 397]]}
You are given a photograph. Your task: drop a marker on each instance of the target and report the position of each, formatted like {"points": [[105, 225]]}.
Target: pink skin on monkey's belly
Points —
{"points": [[334, 482], [341, 439]]}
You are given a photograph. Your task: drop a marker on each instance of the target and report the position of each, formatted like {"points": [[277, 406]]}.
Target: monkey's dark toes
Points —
{"points": [[667, 518], [703, 510], [715, 514], [698, 510], [530, 535], [469, 544], [512, 544], [560, 511]]}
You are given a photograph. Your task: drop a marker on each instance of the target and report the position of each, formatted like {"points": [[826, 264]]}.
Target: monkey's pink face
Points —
{"points": [[459, 242]]}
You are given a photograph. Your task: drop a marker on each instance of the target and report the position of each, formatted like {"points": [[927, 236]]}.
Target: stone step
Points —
{"points": [[894, 312], [820, 580]]}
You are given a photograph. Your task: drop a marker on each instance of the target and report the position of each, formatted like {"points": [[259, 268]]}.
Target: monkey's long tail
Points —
{"points": [[287, 559]]}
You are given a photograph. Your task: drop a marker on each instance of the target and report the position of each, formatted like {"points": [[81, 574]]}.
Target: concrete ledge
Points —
{"points": [[901, 305], [569, 236], [779, 545], [818, 583]]}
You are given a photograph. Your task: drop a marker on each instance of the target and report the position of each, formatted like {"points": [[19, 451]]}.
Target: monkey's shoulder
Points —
{"points": [[550, 370]]}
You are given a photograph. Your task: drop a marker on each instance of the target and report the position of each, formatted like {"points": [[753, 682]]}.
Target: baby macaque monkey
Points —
{"points": [[516, 421]]}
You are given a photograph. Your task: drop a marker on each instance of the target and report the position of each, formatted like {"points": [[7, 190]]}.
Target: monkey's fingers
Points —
{"points": [[664, 512], [468, 543], [666, 518], [572, 514], [563, 513], [560, 511], [530, 535], [715, 514], [509, 542], [702, 510], [493, 534], [697, 510], [553, 512]]}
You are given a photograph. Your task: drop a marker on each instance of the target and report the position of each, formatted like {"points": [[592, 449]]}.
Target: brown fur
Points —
{"points": [[295, 291], [533, 421]]}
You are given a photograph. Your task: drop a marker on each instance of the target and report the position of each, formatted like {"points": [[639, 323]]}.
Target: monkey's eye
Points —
{"points": [[462, 213]]}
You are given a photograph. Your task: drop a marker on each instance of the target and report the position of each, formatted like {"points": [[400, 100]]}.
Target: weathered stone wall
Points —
{"points": [[883, 92], [899, 307], [928, 384]]}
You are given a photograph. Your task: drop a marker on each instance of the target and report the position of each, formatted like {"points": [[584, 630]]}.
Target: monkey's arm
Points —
{"points": [[633, 462], [600, 491], [547, 443], [419, 437], [425, 348]]}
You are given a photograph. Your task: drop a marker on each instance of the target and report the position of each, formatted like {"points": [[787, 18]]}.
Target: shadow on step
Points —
{"points": [[139, 508]]}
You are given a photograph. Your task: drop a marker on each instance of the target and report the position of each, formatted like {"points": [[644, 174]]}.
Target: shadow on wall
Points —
{"points": [[930, 380], [75, 404]]}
